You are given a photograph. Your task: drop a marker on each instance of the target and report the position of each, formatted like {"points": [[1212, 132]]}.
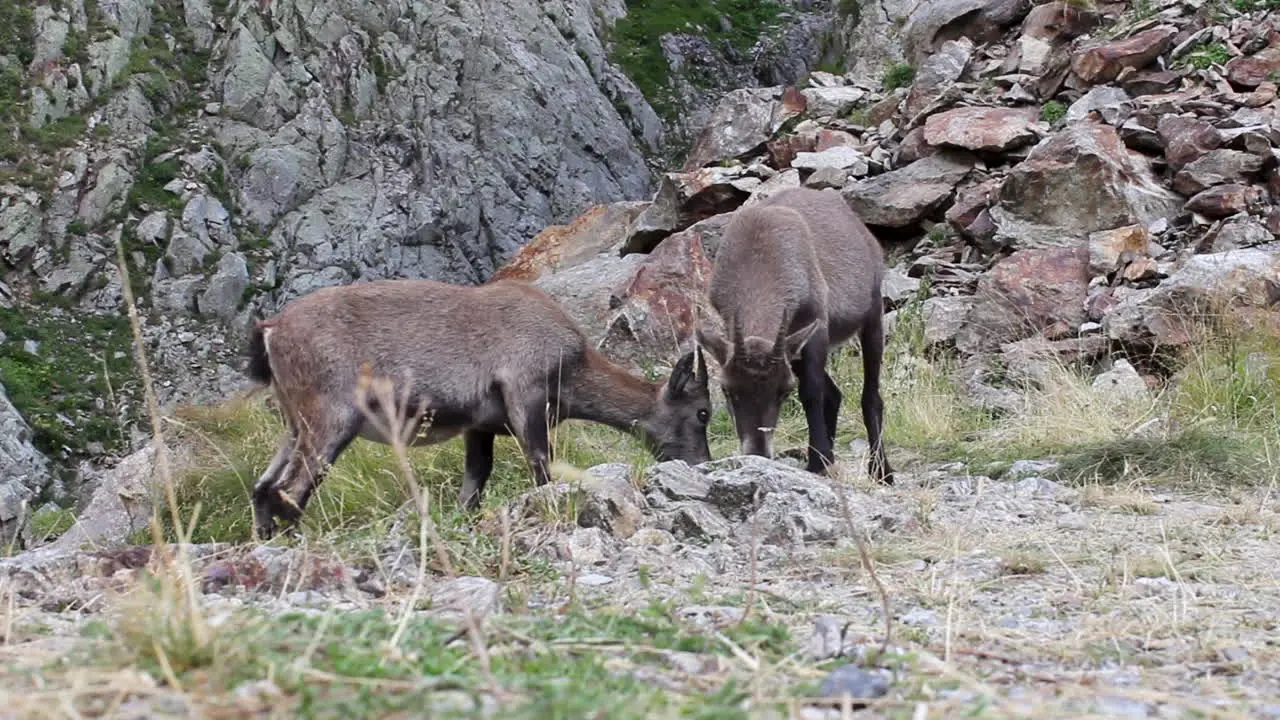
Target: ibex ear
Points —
{"points": [[796, 340], [681, 376], [714, 343]]}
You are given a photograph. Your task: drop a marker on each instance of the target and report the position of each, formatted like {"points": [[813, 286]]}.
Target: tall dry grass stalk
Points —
{"points": [[171, 622]]}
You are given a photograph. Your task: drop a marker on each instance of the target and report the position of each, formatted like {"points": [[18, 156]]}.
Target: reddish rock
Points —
{"points": [[905, 196], [989, 129], [1083, 180], [744, 120], [913, 147], [1226, 200], [1216, 167], [1186, 139], [1058, 21], [1102, 63], [562, 246], [783, 150], [656, 308], [970, 202], [1109, 249], [1143, 268], [827, 139], [685, 198], [1149, 82], [1272, 222], [1256, 69], [1031, 292]]}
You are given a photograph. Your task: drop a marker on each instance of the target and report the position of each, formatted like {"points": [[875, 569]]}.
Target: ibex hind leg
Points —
{"points": [[478, 467], [872, 340]]}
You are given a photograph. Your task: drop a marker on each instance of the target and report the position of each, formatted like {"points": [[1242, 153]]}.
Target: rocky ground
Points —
{"points": [[1008, 596]]}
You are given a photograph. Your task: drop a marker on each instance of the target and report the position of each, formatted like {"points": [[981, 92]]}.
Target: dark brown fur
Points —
{"points": [[796, 275], [497, 359]]}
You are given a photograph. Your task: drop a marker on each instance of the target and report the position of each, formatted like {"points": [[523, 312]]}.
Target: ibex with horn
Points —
{"points": [[496, 359], [797, 274]]}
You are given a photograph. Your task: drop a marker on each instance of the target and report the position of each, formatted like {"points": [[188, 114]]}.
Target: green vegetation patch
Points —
{"points": [[1198, 457], [898, 76], [1053, 111], [366, 664], [73, 389], [18, 30], [1207, 56], [637, 38]]}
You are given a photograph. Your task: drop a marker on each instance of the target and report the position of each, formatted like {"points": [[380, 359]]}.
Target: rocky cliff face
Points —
{"points": [[243, 153]]}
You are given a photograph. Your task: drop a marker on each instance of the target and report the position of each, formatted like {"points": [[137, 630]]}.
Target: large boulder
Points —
{"points": [[685, 198], [1103, 62], [1044, 201], [987, 129], [743, 121], [1037, 291], [903, 197], [598, 230], [655, 310], [1240, 281]]}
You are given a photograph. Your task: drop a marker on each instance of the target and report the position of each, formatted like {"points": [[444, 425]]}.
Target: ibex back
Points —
{"points": [[795, 275], [496, 359]]}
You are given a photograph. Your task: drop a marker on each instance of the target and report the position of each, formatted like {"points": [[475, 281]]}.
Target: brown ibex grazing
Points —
{"points": [[497, 359], [795, 275]]}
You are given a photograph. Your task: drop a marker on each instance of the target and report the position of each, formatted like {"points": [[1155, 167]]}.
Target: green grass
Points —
{"points": [[1053, 111], [357, 663], [235, 442], [898, 76], [1195, 458], [72, 389], [17, 31], [637, 46], [49, 524], [1256, 5], [1207, 56]]}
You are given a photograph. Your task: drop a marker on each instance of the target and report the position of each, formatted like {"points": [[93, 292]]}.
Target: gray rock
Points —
{"points": [[19, 230], [1240, 231], [1111, 103], [1029, 469], [613, 504], [937, 74], [1216, 167], [477, 595], [107, 194], [742, 121], [905, 196], [831, 101], [225, 292], [119, 506], [24, 472], [1121, 384], [840, 157], [854, 682]]}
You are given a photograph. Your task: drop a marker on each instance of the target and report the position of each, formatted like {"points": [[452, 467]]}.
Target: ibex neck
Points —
{"points": [[606, 393]]}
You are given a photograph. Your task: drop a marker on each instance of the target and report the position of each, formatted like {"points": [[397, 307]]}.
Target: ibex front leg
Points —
{"points": [[529, 423]]}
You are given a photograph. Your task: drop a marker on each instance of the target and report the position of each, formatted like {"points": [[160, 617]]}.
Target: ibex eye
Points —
{"points": [[703, 416]]}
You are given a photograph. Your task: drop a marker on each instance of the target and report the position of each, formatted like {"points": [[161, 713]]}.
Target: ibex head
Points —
{"points": [[677, 426], [756, 378]]}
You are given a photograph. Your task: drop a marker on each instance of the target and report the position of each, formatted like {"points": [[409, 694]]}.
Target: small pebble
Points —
{"points": [[853, 681]]}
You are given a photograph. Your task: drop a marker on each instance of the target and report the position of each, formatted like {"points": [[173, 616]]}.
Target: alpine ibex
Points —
{"points": [[795, 275], [497, 359]]}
